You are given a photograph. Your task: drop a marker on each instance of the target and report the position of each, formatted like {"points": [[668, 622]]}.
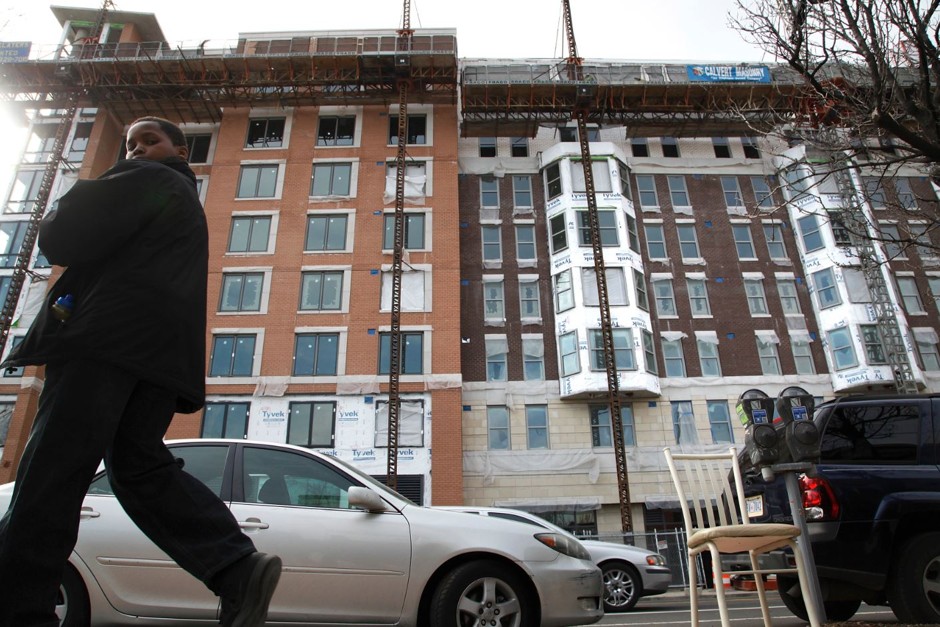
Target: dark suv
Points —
{"points": [[873, 508]]}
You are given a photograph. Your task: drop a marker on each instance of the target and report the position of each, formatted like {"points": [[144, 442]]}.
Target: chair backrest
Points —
{"points": [[709, 487]]}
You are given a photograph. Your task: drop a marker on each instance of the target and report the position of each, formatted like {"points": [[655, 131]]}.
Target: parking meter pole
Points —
{"points": [[803, 544]]}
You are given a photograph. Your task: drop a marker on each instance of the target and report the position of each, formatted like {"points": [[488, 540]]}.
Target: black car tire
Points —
{"points": [[914, 589], [839, 610], [460, 597], [72, 605], [622, 586]]}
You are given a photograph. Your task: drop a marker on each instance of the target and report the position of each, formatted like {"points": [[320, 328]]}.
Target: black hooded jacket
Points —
{"points": [[135, 245]]}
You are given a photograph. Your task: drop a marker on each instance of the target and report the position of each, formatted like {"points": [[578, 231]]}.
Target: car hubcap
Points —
{"points": [[932, 584], [489, 602], [618, 588]]}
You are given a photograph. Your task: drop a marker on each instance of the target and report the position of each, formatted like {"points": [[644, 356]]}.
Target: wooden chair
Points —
{"points": [[716, 520]]}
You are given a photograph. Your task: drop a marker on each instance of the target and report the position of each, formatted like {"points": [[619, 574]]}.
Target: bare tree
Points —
{"points": [[871, 69]]}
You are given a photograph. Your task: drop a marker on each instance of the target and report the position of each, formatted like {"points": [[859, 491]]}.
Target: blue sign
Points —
{"points": [[12, 50], [728, 73], [759, 416], [799, 412]]}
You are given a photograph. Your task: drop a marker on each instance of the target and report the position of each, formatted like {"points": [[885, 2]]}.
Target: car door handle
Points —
{"points": [[88, 512], [253, 523]]}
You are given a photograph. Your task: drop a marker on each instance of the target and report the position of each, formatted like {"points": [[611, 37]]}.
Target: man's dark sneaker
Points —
{"points": [[246, 599]]}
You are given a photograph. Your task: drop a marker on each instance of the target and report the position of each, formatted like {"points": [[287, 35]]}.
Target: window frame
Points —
{"points": [[315, 369], [310, 441]]}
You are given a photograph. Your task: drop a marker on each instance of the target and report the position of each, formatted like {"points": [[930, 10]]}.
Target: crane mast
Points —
{"points": [[580, 114]]}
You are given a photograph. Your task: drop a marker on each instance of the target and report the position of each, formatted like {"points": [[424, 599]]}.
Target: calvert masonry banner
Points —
{"points": [[728, 73]]}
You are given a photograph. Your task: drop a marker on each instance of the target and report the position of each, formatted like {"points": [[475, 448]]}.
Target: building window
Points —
{"points": [[600, 172], [416, 181], [773, 234], [241, 291], [640, 147], [326, 232], [522, 192], [673, 357], [665, 297], [927, 347], [762, 192], [321, 291], [606, 226], [890, 238], [249, 234], [933, 284], [743, 242], [649, 353], [708, 358], [719, 420], [798, 182], [487, 146], [536, 426], [624, 175], [670, 147], [330, 179], [25, 191], [602, 429], [568, 349], [265, 133], [414, 229], [553, 180], [337, 131], [416, 132], [497, 350], [639, 283], [315, 354], [907, 286], [655, 241], [809, 231], [198, 146], [678, 193], [722, 147], [616, 287], [906, 197], [529, 306], [412, 352], [414, 294], [842, 349], [519, 146], [39, 147], [525, 243], [802, 356], [494, 302], [767, 352], [533, 358], [624, 356], [564, 291], [492, 243], [311, 424], [688, 241], [875, 353], [750, 148], [257, 181], [12, 235], [875, 192], [756, 300], [559, 233], [789, 299], [698, 297], [410, 425], [233, 355], [646, 188], [489, 192], [683, 423], [497, 427], [840, 233], [632, 233], [732, 192], [827, 292], [225, 420], [924, 246]]}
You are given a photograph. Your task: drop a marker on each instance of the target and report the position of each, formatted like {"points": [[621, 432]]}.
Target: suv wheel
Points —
{"points": [[840, 610], [914, 590]]}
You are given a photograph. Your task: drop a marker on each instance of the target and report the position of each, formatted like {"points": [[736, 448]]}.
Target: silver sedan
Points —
{"points": [[629, 572], [354, 552]]}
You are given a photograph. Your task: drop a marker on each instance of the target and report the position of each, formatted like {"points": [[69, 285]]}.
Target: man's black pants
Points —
{"points": [[89, 411]]}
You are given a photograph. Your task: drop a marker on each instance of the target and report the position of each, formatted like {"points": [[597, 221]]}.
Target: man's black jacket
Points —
{"points": [[135, 245]]}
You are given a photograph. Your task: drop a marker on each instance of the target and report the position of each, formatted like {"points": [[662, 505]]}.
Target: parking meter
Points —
{"points": [[795, 407], [755, 411]]}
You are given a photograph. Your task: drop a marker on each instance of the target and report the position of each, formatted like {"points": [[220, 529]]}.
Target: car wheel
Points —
{"points": [[840, 610], [622, 586], [482, 593], [71, 604], [914, 590]]}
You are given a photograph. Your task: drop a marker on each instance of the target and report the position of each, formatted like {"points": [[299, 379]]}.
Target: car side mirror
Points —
{"points": [[366, 499]]}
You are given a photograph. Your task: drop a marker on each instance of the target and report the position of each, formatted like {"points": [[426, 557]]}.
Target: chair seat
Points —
{"points": [[739, 538]]}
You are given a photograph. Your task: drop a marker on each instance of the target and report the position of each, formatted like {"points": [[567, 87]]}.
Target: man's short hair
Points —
{"points": [[172, 130]]}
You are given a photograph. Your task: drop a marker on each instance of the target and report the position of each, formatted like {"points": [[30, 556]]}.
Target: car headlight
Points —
{"points": [[563, 544], [656, 560]]}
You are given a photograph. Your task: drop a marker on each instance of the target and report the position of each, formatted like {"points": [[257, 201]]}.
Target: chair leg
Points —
{"points": [[693, 587], [814, 619], [719, 586], [761, 593]]}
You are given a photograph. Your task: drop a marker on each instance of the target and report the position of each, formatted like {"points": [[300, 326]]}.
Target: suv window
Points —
{"points": [[871, 434]]}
